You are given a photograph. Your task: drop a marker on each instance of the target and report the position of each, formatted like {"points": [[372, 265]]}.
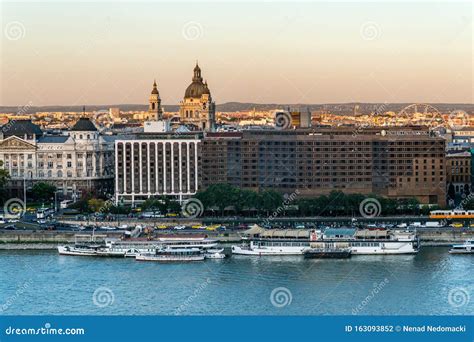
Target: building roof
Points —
{"points": [[84, 124], [339, 231], [20, 128], [256, 230], [53, 139]]}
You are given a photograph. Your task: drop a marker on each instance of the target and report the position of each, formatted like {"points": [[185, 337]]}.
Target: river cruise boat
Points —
{"points": [[84, 245], [262, 242], [131, 247], [466, 248], [79, 250], [173, 255], [101, 245]]}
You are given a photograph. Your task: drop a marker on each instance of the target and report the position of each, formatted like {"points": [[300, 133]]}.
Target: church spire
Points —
{"points": [[155, 89], [197, 73]]}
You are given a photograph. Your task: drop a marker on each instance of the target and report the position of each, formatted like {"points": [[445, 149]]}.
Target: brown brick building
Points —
{"points": [[397, 162], [458, 171]]}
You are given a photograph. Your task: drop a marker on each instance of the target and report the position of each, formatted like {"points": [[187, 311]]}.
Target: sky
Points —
{"points": [[77, 53]]}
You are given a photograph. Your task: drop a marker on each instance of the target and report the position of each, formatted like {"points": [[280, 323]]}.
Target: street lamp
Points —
{"points": [[55, 200]]}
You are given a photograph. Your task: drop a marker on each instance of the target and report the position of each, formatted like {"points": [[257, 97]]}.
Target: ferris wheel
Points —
{"points": [[103, 119], [421, 114]]}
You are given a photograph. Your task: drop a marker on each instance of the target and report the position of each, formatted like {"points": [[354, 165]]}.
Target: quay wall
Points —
{"points": [[50, 239]]}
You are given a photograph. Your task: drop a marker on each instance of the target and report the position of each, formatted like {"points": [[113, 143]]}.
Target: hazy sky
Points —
{"points": [[320, 52]]}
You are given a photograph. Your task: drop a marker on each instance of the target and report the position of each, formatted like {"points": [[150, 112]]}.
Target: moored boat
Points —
{"points": [[261, 242], [79, 250], [173, 255], [466, 248]]}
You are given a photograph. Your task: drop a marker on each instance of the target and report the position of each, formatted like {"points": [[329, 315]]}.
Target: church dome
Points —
{"points": [[197, 88]]}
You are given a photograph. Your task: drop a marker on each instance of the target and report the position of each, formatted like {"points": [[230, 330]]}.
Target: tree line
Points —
{"points": [[225, 199]]}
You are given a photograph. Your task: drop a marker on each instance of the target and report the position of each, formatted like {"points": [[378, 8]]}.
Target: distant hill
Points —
{"points": [[336, 108]]}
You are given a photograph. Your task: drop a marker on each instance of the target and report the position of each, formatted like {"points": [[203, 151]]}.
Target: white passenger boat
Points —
{"points": [[173, 255], [131, 247], [84, 245], [79, 250], [466, 248], [214, 253], [359, 241]]}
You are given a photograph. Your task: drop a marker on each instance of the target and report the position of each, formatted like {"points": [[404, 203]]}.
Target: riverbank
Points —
{"points": [[21, 240]]}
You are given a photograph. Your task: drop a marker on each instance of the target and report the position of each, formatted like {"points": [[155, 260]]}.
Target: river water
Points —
{"points": [[430, 283]]}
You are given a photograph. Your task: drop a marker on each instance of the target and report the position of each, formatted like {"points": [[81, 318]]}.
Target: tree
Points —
{"points": [[271, 200], [4, 178], [217, 195], [43, 191], [95, 204], [469, 205], [451, 192], [467, 189]]}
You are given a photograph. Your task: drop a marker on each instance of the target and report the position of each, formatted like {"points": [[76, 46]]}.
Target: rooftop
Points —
{"points": [[84, 124], [20, 128]]}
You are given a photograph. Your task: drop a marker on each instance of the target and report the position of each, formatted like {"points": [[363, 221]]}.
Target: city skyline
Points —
{"points": [[74, 54]]}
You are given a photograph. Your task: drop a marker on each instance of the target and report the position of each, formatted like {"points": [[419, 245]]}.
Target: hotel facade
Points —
{"points": [[157, 164], [400, 163], [395, 163]]}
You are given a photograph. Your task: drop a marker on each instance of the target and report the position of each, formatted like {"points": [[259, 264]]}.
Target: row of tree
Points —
{"points": [[221, 199]]}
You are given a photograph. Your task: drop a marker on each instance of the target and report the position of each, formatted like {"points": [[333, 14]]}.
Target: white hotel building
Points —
{"points": [[155, 164]]}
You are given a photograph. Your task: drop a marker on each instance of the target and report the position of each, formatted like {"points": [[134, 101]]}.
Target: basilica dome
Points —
{"points": [[196, 90], [197, 87]]}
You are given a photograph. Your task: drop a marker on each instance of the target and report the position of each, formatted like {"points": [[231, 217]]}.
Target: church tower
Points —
{"points": [[154, 109], [197, 107]]}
